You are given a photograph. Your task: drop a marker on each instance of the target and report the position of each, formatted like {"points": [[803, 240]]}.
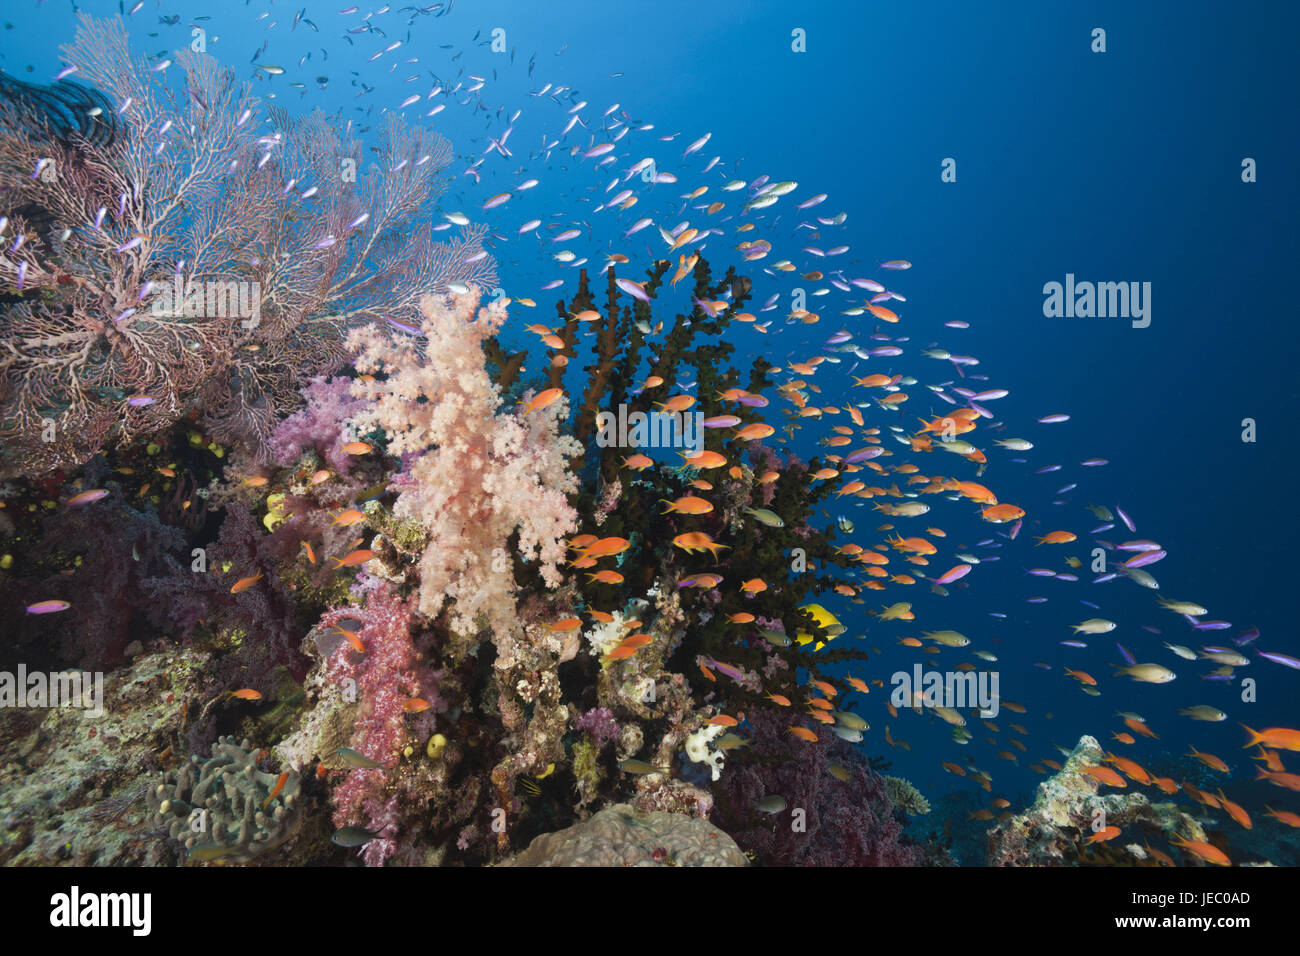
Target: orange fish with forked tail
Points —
{"points": [[1207, 852], [542, 399], [1279, 738], [358, 557], [697, 541]]}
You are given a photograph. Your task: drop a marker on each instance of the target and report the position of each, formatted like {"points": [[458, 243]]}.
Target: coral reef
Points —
{"points": [[1065, 810]]}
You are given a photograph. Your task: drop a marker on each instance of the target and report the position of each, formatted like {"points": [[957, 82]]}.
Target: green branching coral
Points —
{"points": [[906, 797]]}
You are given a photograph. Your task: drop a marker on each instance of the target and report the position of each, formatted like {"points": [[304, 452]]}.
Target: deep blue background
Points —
{"points": [[1117, 166]]}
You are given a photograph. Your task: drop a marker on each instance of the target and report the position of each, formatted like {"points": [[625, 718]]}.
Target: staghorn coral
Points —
{"points": [[172, 267]]}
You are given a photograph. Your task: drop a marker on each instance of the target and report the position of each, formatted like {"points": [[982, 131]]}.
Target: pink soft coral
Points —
{"points": [[477, 475], [320, 426]]}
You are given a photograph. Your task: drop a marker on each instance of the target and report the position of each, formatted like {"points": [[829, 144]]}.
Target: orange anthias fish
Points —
{"points": [[687, 505], [348, 518], [243, 584], [358, 557], [1279, 738], [697, 541], [543, 399], [1211, 761], [1130, 769], [1284, 816], [1106, 776], [357, 448], [415, 705], [1138, 727], [246, 693], [1101, 836], [279, 785], [803, 733], [1207, 852], [1235, 810], [605, 547], [352, 638]]}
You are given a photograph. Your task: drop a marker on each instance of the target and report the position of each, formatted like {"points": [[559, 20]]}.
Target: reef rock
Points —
{"points": [[623, 836], [1053, 830], [72, 784]]}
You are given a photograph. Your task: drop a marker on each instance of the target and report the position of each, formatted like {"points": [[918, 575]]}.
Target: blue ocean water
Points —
{"points": [[1115, 166]]}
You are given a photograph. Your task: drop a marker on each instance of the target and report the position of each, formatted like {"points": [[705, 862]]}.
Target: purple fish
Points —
{"points": [[47, 607], [1036, 600], [632, 289], [1152, 630], [139, 401], [1040, 572], [1074, 644], [1100, 528], [1282, 659], [1105, 577], [1245, 637], [1145, 558], [1053, 419], [1212, 626], [1094, 462], [553, 284], [1047, 468], [725, 669], [403, 326], [1128, 522], [1132, 661], [863, 454], [1139, 546], [1067, 577], [721, 421]]}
